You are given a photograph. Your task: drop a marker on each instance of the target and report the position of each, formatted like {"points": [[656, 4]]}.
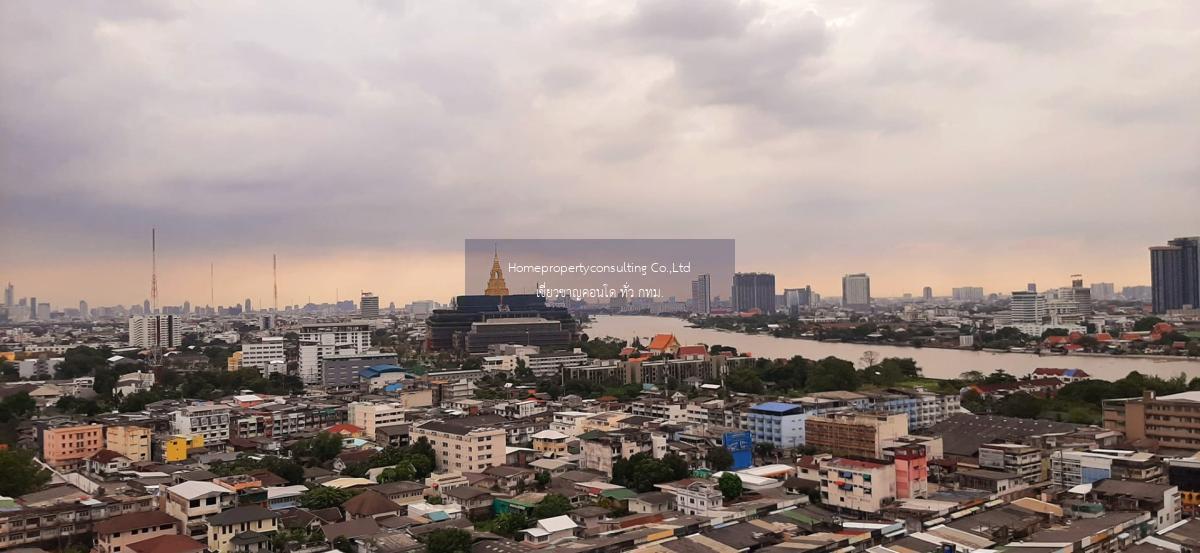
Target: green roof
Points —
{"points": [[618, 493]]}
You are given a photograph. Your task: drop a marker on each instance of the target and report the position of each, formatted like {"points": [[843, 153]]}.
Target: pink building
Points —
{"points": [[912, 471], [70, 446]]}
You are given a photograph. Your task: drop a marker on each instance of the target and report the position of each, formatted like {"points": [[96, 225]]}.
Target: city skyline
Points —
{"points": [[362, 143]]}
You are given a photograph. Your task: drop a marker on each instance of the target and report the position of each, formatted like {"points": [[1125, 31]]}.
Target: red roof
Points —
{"points": [[663, 341], [1104, 337], [1055, 340], [172, 543], [344, 427], [692, 350]]}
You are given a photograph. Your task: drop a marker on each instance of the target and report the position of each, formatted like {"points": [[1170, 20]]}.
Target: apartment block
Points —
{"points": [[1172, 420], [67, 447], [204, 419], [460, 448], [131, 441], [1022, 460], [854, 434], [855, 485]]}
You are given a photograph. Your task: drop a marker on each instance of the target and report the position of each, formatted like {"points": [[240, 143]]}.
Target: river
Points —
{"points": [[934, 362]]}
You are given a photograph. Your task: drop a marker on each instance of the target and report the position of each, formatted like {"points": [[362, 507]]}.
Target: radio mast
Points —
{"points": [[156, 347]]}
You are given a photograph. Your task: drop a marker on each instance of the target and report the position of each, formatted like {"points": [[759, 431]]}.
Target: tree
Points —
{"points": [[543, 479], [971, 376], [21, 473], [1146, 323], [510, 523], [9, 372], [831, 374], [744, 380], [322, 447], [82, 361], [718, 458], [552, 505], [1020, 405], [324, 497], [679, 467], [448, 540], [730, 485]]}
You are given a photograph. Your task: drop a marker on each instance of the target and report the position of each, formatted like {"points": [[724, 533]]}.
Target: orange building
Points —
{"points": [[70, 446]]}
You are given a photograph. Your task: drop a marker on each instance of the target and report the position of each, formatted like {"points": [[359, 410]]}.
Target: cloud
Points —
{"points": [[829, 137]]}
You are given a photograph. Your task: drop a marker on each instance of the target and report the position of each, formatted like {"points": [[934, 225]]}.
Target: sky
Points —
{"points": [[926, 142]]}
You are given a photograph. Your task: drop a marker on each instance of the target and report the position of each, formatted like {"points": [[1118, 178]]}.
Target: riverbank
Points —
{"points": [[949, 348], [935, 362]]}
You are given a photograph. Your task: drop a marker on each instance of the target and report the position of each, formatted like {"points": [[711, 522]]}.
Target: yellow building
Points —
{"points": [[176, 448], [234, 363], [460, 448], [130, 441], [8, 356]]}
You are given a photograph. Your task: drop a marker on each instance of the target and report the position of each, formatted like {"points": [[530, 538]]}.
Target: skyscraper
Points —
{"points": [[1027, 308], [856, 291], [1103, 291], [795, 299], [967, 293], [702, 294], [146, 308], [927, 293], [33, 307], [1031, 287], [1175, 274], [369, 305], [83, 309], [248, 306], [9, 295], [754, 291]]}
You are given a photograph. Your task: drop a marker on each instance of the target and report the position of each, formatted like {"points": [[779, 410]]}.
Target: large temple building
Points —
{"points": [[477, 321]]}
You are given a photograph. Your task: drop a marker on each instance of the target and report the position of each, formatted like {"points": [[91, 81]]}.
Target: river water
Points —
{"points": [[934, 362]]}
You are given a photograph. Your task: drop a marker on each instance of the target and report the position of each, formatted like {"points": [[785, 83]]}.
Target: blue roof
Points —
{"points": [[776, 407], [377, 370], [437, 516]]}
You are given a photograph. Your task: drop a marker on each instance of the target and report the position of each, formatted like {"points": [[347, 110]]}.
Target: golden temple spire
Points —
{"points": [[496, 285]]}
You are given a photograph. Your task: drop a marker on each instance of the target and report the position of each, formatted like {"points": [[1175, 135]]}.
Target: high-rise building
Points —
{"points": [[146, 307], [83, 309], [369, 305], [249, 307], [1031, 287], [144, 330], [754, 291], [9, 294], [187, 308], [33, 308], [796, 299], [1136, 293], [927, 293], [856, 291], [1175, 274], [1103, 291], [1027, 308], [702, 294], [967, 293]]}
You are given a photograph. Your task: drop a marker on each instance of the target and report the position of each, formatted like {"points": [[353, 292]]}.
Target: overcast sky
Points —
{"points": [[941, 143]]}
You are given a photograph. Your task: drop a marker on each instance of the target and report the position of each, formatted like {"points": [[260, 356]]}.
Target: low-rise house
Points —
{"points": [[113, 535], [242, 529], [694, 496], [1161, 500], [370, 504], [511, 479], [107, 461], [284, 497], [994, 481], [192, 502], [170, 543], [401, 492], [477, 502], [550, 531], [651, 502]]}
